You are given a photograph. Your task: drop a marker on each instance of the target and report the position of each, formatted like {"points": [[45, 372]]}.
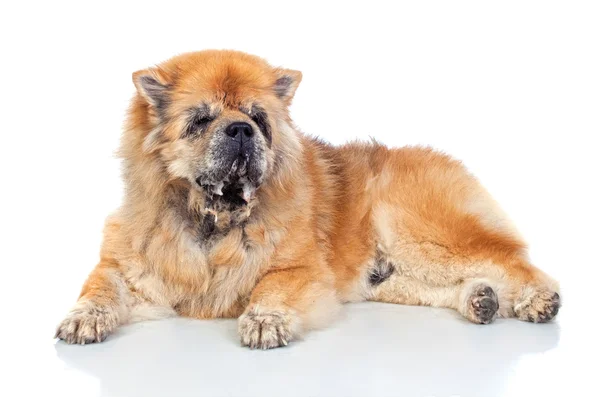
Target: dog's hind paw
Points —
{"points": [[539, 306]]}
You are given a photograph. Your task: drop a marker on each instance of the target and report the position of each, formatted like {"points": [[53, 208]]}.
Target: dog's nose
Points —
{"points": [[239, 129]]}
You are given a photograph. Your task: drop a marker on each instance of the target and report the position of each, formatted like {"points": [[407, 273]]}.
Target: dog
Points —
{"points": [[230, 211]]}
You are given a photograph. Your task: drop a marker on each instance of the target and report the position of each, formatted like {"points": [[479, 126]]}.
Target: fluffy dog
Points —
{"points": [[229, 211]]}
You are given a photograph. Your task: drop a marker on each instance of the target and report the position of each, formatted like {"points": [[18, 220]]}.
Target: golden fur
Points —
{"points": [[325, 225]]}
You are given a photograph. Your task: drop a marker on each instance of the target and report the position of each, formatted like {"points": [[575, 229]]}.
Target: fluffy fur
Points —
{"points": [[292, 228]]}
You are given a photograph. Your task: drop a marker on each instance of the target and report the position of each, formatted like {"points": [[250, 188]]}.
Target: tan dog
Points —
{"points": [[229, 211]]}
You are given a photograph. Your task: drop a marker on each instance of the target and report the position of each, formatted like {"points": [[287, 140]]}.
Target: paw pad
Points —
{"points": [[483, 305]]}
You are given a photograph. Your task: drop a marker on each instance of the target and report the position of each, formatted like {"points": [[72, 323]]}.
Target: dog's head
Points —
{"points": [[217, 119]]}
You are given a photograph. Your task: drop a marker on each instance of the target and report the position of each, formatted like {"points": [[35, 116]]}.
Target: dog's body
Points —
{"points": [[229, 211]]}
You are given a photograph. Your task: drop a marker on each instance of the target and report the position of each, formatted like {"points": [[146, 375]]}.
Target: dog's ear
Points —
{"points": [[152, 84], [286, 82]]}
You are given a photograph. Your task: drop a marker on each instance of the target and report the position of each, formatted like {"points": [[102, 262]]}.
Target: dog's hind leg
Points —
{"points": [[475, 299], [464, 265], [437, 225]]}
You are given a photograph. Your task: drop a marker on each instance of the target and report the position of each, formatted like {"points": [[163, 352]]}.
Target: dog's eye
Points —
{"points": [[260, 118], [202, 121], [196, 125]]}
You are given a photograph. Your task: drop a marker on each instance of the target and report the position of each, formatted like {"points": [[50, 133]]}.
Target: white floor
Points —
{"points": [[373, 350]]}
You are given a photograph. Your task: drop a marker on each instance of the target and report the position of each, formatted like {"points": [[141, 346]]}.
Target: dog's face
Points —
{"points": [[215, 119]]}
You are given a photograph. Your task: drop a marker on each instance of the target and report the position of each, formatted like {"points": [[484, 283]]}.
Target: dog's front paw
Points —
{"points": [[265, 330], [87, 323]]}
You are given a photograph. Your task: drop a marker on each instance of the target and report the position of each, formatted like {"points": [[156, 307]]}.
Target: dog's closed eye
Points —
{"points": [[259, 116], [200, 118]]}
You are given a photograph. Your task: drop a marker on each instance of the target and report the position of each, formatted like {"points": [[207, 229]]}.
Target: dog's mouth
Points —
{"points": [[236, 187], [237, 193]]}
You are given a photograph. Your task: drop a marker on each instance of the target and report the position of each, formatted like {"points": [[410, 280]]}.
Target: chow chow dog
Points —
{"points": [[230, 211]]}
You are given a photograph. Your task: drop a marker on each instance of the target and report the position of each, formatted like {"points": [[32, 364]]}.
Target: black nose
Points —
{"points": [[239, 129]]}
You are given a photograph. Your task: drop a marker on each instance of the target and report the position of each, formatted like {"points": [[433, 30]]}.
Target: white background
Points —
{"points": [[512, 88]]}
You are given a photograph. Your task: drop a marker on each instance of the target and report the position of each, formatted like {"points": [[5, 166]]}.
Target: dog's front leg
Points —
{"points": [[101, 306], [285, 303]]}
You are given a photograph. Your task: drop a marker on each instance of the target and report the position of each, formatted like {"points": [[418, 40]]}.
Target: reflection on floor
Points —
{"points": [[373, 350]]}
